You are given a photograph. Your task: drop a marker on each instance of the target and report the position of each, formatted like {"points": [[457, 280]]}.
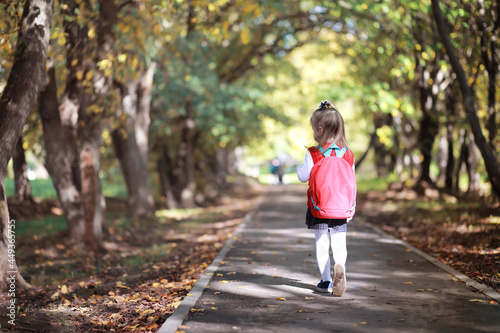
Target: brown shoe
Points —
{"points": [[339, 282]]}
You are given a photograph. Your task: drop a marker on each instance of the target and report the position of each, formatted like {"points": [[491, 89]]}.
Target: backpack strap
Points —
{"points": [[334, 148], [316, 154]]}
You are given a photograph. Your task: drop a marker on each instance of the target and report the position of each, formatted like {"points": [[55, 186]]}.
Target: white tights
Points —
{"points": [[339, 247]]}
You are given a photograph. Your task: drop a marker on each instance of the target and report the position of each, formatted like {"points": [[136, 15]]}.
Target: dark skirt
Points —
{"points": [[322, 224]]}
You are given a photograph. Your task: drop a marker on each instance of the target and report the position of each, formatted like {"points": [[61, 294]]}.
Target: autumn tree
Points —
{"points": [[25, 80], [487, 151]]}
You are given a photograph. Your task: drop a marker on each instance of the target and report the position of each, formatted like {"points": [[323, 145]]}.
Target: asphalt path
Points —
{"points": [[264, 281]]}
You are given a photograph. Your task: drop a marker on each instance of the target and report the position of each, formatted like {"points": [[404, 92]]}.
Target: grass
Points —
{"points": [[43, 188], [40, 188], [42, 226]]}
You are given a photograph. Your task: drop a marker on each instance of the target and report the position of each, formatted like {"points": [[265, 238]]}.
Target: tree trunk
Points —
{"points": [[491, 64], [21, 181], [487, 152], [185, 168], [428, 122], [89, 130], [472, 167], [451, 103], [61, 155], [164, 166], [442, 158], [19, 96], [131, 143], [380, 158], [462, 158]]}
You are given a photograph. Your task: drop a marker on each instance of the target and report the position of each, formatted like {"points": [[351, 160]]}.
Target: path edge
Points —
{"points": [[181, 312], [450, 270]]}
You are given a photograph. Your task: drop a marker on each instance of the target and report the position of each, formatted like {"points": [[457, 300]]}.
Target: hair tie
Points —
{"points": [[323, 105]]}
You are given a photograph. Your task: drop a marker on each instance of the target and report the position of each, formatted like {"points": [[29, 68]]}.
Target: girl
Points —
{"points": [[328, 127]]}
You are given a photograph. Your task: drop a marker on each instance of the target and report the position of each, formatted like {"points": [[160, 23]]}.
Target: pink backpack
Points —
{"points": [[332, 184]]}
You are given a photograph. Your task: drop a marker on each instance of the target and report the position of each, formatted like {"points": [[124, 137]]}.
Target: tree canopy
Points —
{"points": [[182, 85]]}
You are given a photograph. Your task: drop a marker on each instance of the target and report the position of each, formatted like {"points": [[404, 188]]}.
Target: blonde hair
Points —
{"points": [[328, 117]]}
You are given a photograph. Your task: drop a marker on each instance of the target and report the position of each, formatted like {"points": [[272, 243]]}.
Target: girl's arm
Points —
{"points": [[304, 171]]}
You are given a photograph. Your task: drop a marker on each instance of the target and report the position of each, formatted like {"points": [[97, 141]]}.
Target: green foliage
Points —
{"points": [[253, 71]]}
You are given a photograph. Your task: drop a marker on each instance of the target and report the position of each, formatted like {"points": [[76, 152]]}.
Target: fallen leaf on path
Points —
{"points": [[408, 283], [197, 310], [476, 300], [272, 306], [120, 284], [301, 311], [309, 298], [363, 323], [281, 299]]}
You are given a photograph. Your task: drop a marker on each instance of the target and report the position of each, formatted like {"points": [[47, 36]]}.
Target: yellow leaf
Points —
{"points": [[135, 61], [55, 295], [363, 323], [146, 312], [61, 40], [245, 36], [79, 75], [224, 281], [120, 284], [213, 308], [91, 33], [476, 300], [217, 293], [408, 283], [156, 284], [281, 299], [164, 281], [122, 58], [197, 310], [309, 298], [64, 289]]}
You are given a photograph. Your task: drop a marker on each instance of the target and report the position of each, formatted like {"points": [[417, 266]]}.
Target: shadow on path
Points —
{"points": [[266, 283]]}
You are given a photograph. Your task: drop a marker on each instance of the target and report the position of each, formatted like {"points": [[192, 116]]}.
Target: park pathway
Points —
{"points": [[264, 281]]}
